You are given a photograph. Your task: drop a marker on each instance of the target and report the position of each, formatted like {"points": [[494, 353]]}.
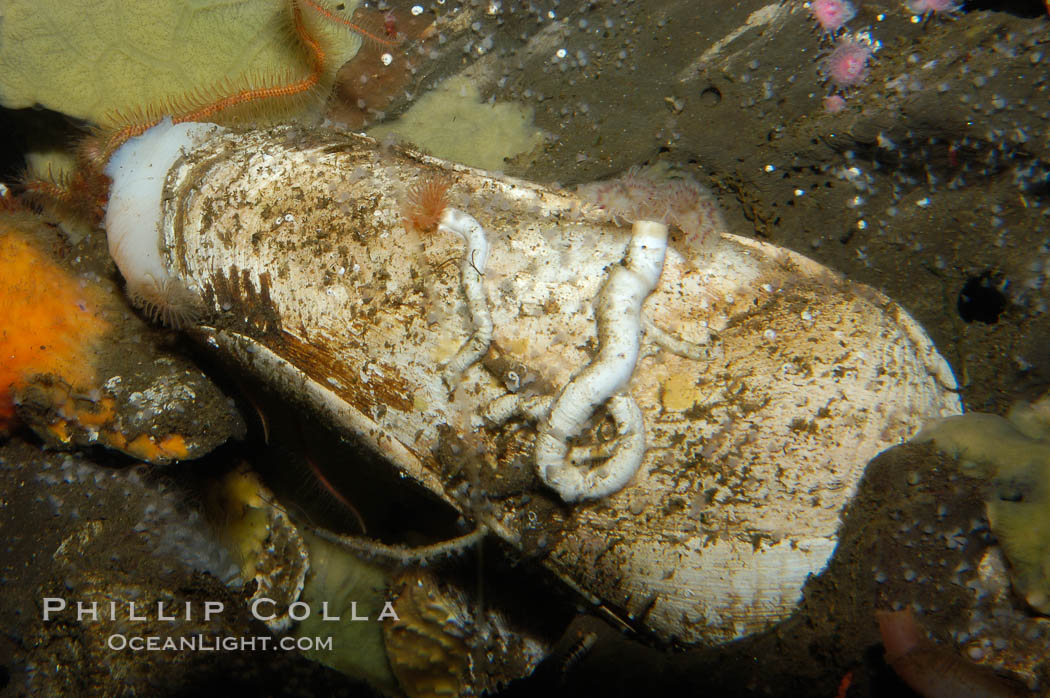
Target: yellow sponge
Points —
{"points": [[94, 58], [1014, 454]]}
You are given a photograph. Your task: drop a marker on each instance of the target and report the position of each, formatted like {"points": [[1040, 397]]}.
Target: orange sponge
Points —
{"points": [[50, 321]]}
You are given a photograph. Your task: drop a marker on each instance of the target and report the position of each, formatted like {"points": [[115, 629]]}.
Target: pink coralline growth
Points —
{"points": [[832, 14], [683, 203], [848, 63]]}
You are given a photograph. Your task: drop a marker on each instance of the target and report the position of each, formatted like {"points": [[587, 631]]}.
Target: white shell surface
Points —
{"points": [[295, 242]]}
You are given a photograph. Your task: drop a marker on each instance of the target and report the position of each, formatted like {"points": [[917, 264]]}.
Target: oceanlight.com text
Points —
{"points": [[202, 643]]}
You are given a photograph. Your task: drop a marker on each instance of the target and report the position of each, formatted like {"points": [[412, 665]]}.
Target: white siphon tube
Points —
{"points": [[132, 221]]}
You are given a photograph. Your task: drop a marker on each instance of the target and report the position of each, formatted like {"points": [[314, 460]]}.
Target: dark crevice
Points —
{"points": [[981, 300], [1021, 8]]}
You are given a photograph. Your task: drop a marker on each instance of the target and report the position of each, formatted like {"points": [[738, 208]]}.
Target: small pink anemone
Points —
{"points": [[848, 63], [832, 14]]}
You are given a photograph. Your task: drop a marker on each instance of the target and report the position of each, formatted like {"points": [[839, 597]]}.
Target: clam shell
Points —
{"points": [[270, 551], [445, 645], [768, 386]]}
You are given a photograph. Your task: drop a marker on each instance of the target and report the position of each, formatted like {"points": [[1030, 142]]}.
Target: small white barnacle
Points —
{"points": [[513, 381]]}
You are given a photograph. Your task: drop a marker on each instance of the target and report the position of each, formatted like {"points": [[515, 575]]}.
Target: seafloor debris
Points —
{"points": [[120, 541], [932, 671]]}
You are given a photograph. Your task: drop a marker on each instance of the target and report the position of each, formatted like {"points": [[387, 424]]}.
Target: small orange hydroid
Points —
{"points": [[50, 321]]}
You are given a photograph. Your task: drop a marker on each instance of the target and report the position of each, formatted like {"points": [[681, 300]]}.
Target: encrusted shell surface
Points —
{"points": [[268, 547], [445, 645], [295, 242]]}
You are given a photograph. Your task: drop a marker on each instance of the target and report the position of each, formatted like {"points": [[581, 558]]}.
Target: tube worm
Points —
{"points": [[504, 408], [619, 318], [472, 270], [932, 671]]}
